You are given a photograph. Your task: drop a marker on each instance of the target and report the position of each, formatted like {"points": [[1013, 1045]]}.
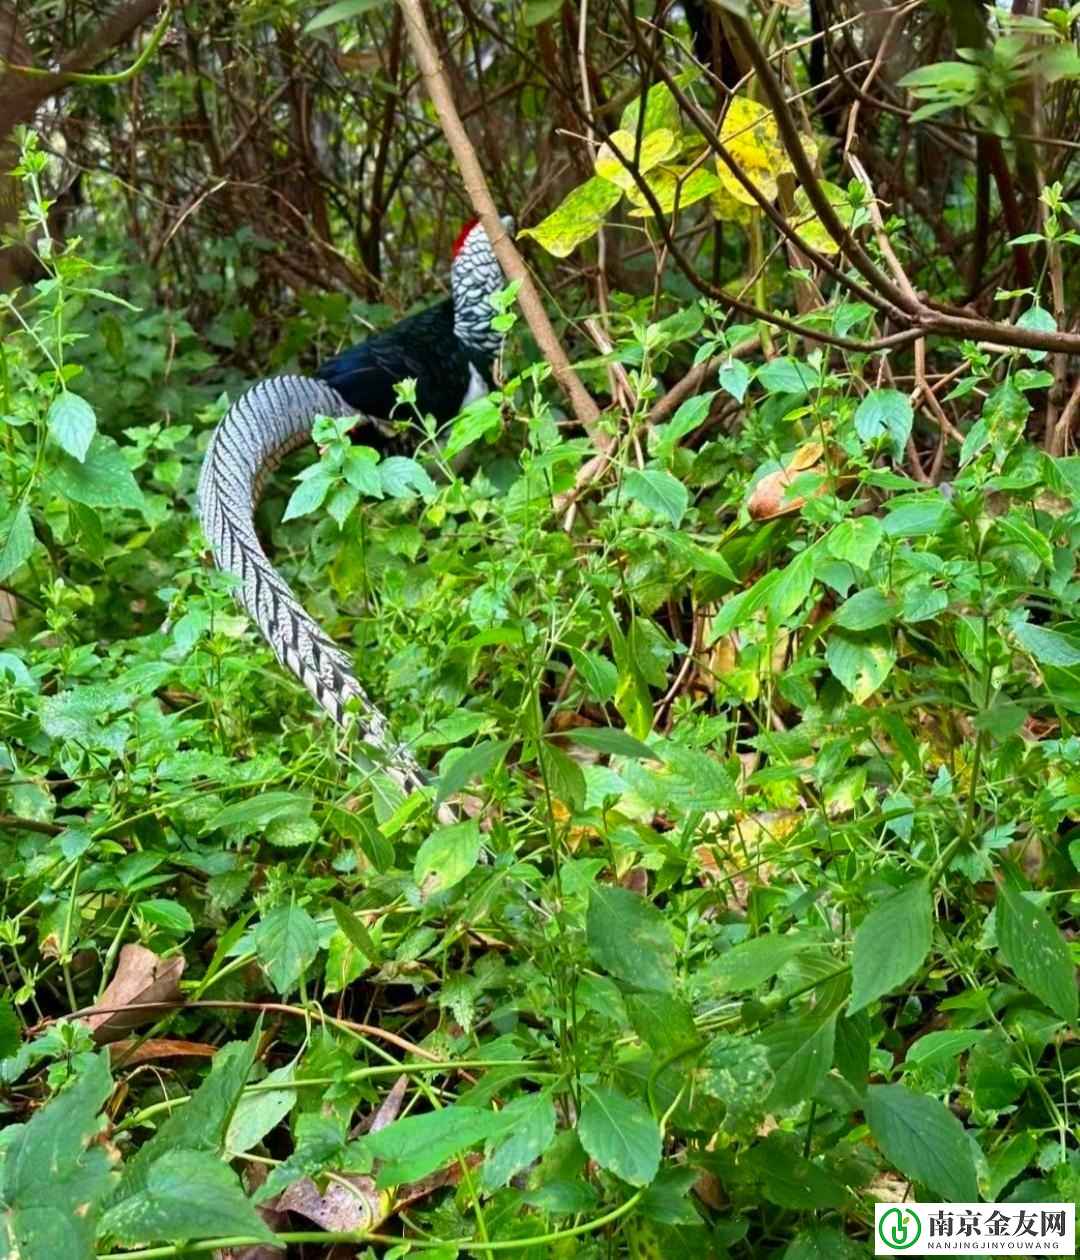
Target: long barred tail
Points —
{"points": [[271, 419]]}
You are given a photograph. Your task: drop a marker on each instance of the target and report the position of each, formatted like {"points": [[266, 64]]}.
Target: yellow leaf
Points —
{"points": [[727, 209], [580, 216], [661, 108], [674, 183], [655, 146], [810, 227], [750, 135]]}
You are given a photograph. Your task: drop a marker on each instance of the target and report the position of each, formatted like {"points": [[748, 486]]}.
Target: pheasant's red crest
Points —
{"points": [[461, 236]]}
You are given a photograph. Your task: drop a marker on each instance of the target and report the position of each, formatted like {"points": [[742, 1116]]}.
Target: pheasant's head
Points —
{"points": [[475, 275]]}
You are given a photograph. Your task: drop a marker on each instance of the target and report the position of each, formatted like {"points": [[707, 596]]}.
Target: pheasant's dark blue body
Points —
{"points": [[422, 346]]}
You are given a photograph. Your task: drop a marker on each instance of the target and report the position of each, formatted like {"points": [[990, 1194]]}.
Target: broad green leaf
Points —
{"points": [[943, 1047], [477, 420], [891, 944], [10, 1029], [72, 424], [469, 765], [790, 1180], [609, 739], [1048, 647], [793, 585], [102, 479], [810, 227], [187, 1195], [342, 11], [738, 610], [885, 413], [734, 377], [256, 813], [54, 1175], [1039, 319], [204, 1122], [1035, 952], [411, 1148], [291, 831], [565, 779], [800, 1051], [260, 1111], [599, 674], [786, 375], [17, 540], [866, 610], [620, 1134], [824, 1242], [356, 931], [617, 152], [752, 138], [690, 416], [402, 478], [661, 1020], [286, 941], [924, 1140], [630, 939], [170, 916], [856, 540], [750, 964], [308, 496], [659, 491], [531, 1130], [927, 514], [447, 856], [860, 662], [537, 11], [661, 107], [580, 215]]}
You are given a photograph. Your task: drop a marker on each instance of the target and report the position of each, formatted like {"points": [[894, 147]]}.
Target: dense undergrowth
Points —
{"points": [[761, 903]]}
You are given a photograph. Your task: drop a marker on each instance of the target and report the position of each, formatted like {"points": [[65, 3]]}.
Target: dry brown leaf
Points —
{"points": [[351, 1203], [141, 977], [769, 497], [388, 1112], [130, 1052]]}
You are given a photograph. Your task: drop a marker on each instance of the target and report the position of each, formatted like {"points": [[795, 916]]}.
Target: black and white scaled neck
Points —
{"points": [[475, 275]]}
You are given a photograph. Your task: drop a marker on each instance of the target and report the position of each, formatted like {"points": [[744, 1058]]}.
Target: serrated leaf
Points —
{"points": [[620, 1134], [356, 931], [580, 215], [924, 1140], [891, 944], [102, 479], [630, 939], [1035, 952], [54, 1178], [308, 496], [659, 491], [286, 942], [856, 540], [17, 540], [170, 916], [447, 856], [750, 964], [291, 831], [188, 1195], [600, 675], [865, 610], [860, 662], [253, 814], [401, 477], [531, 1130], [72, 424], [1048, 647]]}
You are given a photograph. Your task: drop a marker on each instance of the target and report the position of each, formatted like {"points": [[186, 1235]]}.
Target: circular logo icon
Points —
{"points": [[899, 1229]]}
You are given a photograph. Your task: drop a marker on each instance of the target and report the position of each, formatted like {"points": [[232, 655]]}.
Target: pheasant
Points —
{"points": [[449, 349]]}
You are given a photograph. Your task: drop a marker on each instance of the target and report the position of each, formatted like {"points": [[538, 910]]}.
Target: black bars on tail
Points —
{"points": [[271, 419]]}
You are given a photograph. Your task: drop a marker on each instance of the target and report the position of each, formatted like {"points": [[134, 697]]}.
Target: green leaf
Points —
{"points": [[785, 1177], [925, 515], [659, 491], [308, 496], [738, 610], [17, 540], [750, 964], [620, 1134], [793, 585], [734, 377], [689, 417], [1048, 647], [537, 11], [924, 1140], [258, 1112], [290, 831], [663, 1021], [1035, 952], [1039, 319], [341, 12], [655, 146], [630, 939], [101, 479], [891, 944], [531, 1130], [188, 1195], [785, 375], [286, 941], [599, 674], [469, 765], [661, 108], [865, 610], [170, 916], [403, 478], [885, 413], [411, 1148], [447, 856], [860, 662], [800, 1049], [72, 423], [609, 739], [204, 1122], [10, 1029], [356, 931], [256, 813], [54, 1180], [565, 779], [580, 215], [476, 421]]}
